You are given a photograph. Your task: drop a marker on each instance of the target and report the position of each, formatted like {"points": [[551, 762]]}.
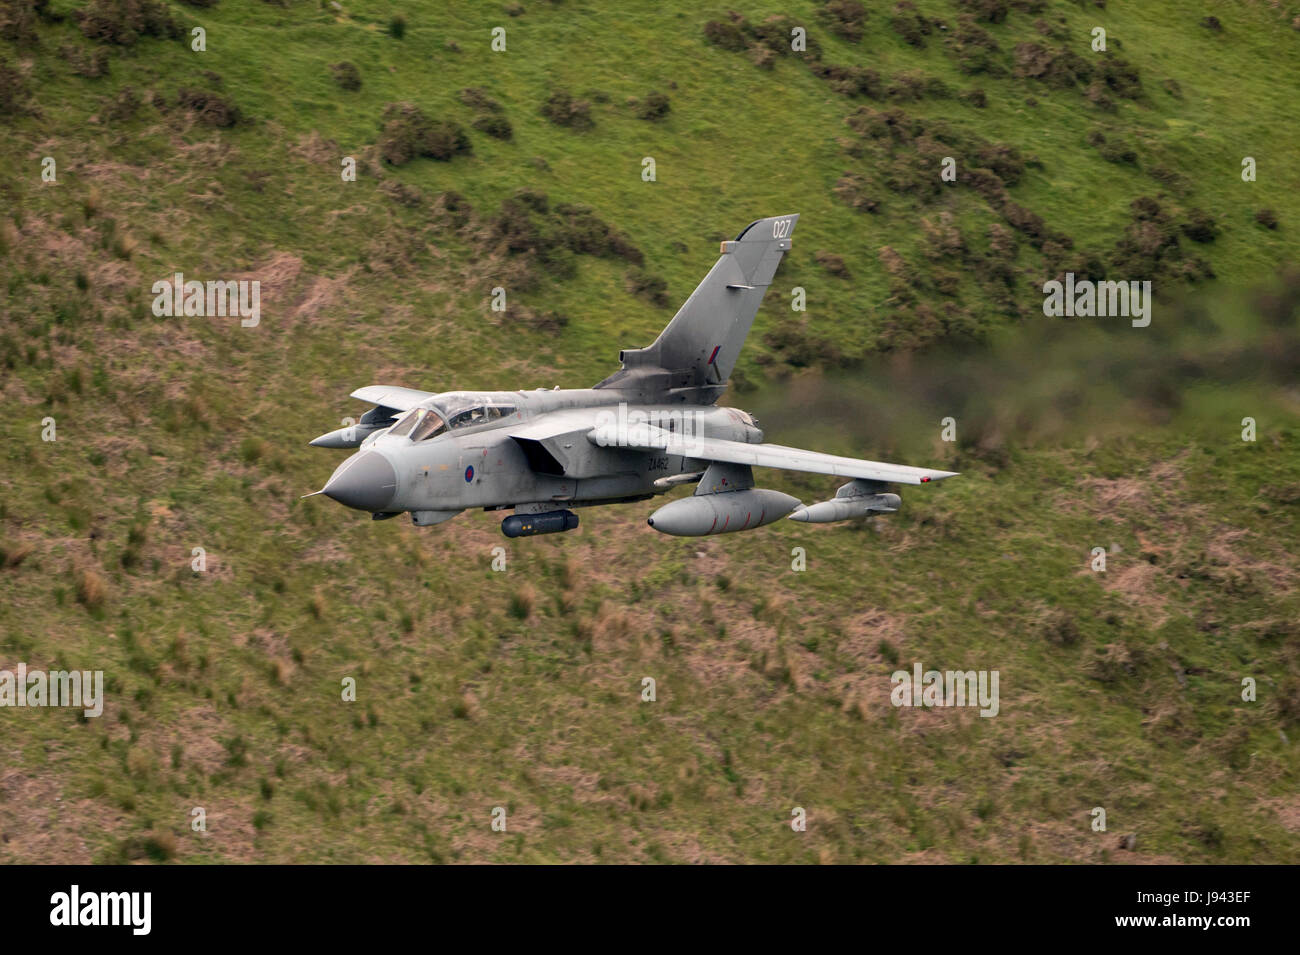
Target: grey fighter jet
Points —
{"points": [[643, 431]]}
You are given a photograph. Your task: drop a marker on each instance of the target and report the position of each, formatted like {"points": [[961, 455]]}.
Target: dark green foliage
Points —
{"points": [[655, 106], [563, 110], [973, 48], [408, 133], [651, 288], [846, 18], [92, 63], [1200, 226], [776, 33], [832, 263], [850, 80], [990, 11], [477, 98], [14, 93], [909, 24], [726, 35], [546, 237], [124, 22], [347, 76], [800, 347], [209, 108], [495, 125]]}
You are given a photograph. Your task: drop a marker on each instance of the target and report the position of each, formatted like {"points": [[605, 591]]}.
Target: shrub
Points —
{"points": [[728, 36], [1121, 77], [972, 47], [18, 20], [477, 98], [408, 133], [209, 108], [776, 34], [799, 348], [852, 189], [1059, 629], [583, 232], [1004, 160], [495, 125], [397, 27], [1112, 150], [91, 64], [1200, 226], [563, 110], [990, 11], [347, 76], [832, 263], [123, 22], [655, 106], [851, 80], [14, 93], [456, 207], [1061, 68], [650, 288], [845, 18], [1267, 218], [909, 24], [125, 106]]}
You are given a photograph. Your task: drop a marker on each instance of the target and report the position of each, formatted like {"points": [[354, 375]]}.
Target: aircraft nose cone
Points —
{"points": [[365, 481]]}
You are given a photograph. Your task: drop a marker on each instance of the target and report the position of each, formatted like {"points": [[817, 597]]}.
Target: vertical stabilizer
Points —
{"points": [[698, 349]]}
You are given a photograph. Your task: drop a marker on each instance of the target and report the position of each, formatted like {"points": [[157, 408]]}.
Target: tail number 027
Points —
{"points": [[780, 228]]}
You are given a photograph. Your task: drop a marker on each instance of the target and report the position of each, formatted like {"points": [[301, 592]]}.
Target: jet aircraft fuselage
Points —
{"points": [[651, 426]]}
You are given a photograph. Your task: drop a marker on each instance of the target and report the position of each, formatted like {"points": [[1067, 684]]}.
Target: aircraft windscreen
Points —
{"points": [[421, 424], [405, 425], [431, 425]]}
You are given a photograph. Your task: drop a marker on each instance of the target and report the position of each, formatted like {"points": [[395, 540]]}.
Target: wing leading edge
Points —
{"points": [[772, 456]]}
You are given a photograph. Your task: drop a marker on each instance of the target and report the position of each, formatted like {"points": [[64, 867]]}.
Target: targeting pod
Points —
{"points": [[547, 522]]}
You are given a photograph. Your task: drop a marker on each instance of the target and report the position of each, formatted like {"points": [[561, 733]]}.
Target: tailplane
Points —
{"points": [[694, 355]]}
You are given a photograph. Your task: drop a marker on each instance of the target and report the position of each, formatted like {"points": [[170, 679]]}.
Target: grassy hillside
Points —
{"points": [[522, 689]]}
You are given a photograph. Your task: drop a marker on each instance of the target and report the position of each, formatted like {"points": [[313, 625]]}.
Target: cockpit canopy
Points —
{"points": [[447, 412]]}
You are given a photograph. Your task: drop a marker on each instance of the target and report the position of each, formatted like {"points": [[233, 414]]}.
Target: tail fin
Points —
{"points": [[693, 356]]}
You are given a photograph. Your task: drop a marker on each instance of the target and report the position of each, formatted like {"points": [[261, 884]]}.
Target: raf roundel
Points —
{"points": [[469, 474]]}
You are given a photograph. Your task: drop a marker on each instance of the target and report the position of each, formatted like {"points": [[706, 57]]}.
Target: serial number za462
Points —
{"points": [[657, 464]]}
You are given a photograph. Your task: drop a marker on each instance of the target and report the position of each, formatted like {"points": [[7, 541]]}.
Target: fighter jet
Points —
{"points": [[650, 427]]}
